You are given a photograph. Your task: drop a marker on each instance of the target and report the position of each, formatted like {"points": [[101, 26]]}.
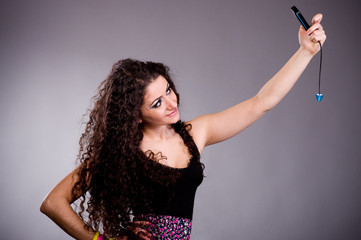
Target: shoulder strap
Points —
{"points": [[183, 130]]}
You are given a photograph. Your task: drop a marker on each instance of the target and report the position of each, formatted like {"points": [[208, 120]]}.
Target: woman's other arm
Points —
{"points": [[217, 127], [56, 206]]}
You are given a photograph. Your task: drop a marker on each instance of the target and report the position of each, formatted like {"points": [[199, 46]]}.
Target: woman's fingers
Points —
{"points": [[316, 31], [310, 39], [139, 231], [143, 234], [138, 223], [317, 18], [317, 35], [314, 27]]}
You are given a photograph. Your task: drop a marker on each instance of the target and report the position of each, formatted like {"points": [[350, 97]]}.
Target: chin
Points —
{"points": [[176, 119]]}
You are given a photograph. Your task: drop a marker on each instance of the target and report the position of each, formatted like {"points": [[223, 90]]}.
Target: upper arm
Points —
{"points": [[217, 127], [63, 191]]}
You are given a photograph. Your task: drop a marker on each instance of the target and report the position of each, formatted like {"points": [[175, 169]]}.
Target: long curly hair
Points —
{"points": [[112, 168]]}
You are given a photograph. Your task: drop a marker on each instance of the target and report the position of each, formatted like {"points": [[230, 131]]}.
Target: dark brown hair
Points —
{"points": [[112, 166]]}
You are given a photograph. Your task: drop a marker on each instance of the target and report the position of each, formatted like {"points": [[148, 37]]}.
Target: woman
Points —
{"points": [[140, 164]]}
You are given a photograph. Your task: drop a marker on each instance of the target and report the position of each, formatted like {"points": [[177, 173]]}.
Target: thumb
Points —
{"points": [[317, 18]]}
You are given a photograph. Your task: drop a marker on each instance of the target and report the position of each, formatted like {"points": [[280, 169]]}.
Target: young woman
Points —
{"points": [[139, 164]]}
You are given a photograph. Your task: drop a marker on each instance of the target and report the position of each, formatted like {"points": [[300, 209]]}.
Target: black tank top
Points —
{"points": [[178, 199]]}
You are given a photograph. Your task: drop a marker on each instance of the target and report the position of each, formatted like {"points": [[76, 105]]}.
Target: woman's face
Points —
{"points": [[160, 104]]}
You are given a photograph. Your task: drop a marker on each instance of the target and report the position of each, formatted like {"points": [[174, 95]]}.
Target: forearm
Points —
{"points": [[282, 82], [64, 216]]}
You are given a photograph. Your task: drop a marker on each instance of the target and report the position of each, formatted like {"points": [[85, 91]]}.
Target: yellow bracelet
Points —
{"points": [[96, 236]]}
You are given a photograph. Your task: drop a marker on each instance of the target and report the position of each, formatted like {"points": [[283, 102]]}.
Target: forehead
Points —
{"points": [[155, 89]]}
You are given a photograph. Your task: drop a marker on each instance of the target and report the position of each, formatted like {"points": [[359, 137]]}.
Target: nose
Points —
{"points": [[171, 103]]}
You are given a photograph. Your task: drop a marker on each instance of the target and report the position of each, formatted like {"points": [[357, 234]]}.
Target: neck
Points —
{"points": [[158, 133]]}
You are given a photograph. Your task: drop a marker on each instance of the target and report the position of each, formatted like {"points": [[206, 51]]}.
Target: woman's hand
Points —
{"points": [[309, 39], [137, 228]]}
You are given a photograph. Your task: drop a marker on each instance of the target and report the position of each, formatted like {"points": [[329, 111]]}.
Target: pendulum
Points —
{"points": [[319, 95]]}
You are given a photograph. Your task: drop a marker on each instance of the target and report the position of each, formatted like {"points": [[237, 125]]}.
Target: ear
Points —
{"points": [[140, 121]]}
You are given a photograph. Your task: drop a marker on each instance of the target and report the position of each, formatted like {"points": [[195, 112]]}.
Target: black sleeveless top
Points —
{"points": [[178, 199]]}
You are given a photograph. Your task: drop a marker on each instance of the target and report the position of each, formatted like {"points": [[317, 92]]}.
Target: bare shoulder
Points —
{"points": [[217, 127]]}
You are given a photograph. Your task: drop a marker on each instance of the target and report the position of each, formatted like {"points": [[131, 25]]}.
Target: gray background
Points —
{"points": [[295, 174]]}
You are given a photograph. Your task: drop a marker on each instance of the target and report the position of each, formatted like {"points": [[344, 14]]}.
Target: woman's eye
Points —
{"points": [[169, 90], [157, 104]]}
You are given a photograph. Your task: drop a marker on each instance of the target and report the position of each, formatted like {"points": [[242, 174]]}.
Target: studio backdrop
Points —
{"points": [[294, 174]]}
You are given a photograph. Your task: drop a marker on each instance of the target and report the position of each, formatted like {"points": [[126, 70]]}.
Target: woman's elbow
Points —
{"points": [[46, 205], [263, 105], [50, 204]]}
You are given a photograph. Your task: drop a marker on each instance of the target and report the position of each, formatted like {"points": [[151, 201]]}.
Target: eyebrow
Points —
{"points": [[155, 100]]}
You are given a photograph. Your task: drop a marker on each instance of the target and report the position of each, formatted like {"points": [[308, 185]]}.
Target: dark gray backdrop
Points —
{"points": [[295, 174]]}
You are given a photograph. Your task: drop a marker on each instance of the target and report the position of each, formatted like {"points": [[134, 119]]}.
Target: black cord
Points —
{"points": [[319, 71]]}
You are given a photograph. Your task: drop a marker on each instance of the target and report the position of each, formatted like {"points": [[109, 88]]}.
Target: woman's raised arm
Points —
{"points": [[217, 127]]}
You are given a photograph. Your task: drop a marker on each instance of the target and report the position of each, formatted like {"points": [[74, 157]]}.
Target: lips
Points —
{"points": [[174, 112]]}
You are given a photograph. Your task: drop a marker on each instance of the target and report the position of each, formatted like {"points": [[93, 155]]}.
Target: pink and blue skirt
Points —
{"points": [[164, 227]]}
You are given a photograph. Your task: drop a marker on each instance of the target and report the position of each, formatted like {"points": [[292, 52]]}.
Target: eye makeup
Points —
{"points": [[158, 102]]}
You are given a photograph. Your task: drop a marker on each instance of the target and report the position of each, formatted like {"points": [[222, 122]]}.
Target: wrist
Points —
{"points": [[305, 53], [311, 50], [98, 236]]}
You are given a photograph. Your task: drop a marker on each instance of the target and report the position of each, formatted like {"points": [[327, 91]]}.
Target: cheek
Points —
{"points": [[151, 114]]}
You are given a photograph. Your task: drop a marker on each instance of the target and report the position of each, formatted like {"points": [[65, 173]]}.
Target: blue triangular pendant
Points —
{"points": [[319, 97]]}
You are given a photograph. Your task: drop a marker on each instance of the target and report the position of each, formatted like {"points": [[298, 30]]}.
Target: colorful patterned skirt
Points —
{"points": [[167, 227]]}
